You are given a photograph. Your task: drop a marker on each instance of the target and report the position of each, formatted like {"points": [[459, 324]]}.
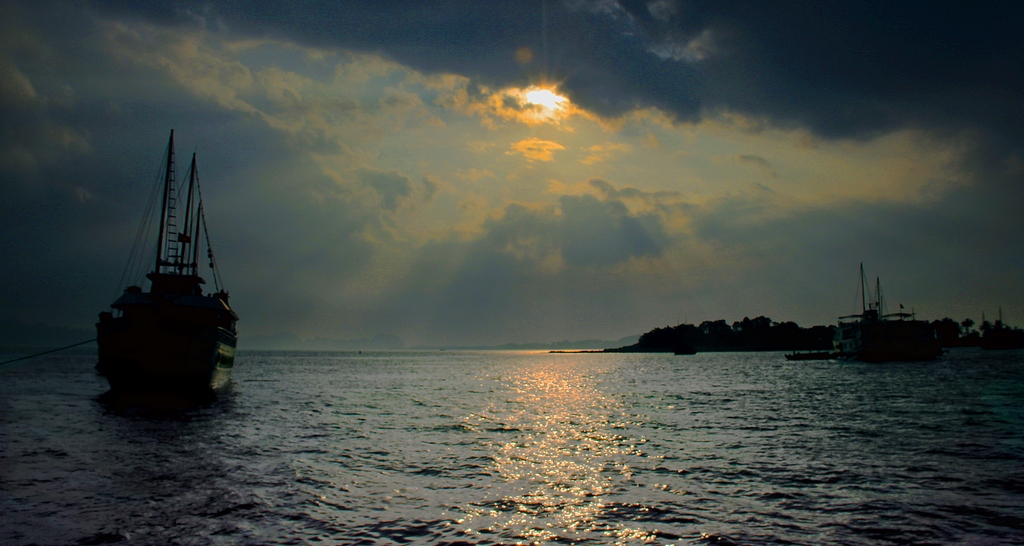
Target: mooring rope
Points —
{"points": [[48, 352]]}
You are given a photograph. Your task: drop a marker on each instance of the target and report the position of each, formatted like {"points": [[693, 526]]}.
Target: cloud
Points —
{"points": [[189, 60], [628, 194], [476, 174], [495, 106], [431, 184], [846, 68], [391, 186], [582, 230], [15, 87], [759, 162], [530, 269], [839, 68], [692, 50], [605, 232], [479, 146], [754, 160], [604, 152], [535, 149], [39, 129]]}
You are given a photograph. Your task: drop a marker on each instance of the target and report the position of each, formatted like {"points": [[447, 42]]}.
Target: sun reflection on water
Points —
{"points": [[562, 457]]}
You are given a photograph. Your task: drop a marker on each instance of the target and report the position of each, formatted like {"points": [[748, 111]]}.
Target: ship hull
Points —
{"points": [[899, 340], [887, 341], [165, 356]]}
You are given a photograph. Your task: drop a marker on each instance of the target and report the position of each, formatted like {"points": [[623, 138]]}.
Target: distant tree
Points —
{"points": [[966, 326], [715, 330], [947, 331]]}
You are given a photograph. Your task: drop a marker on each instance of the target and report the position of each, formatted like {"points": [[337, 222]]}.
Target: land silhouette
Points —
{"points": [[764, 334], [757, 334]]}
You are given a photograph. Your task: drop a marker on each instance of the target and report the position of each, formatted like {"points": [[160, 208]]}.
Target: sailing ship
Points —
{"points": [[173, 337], [873, 336]]}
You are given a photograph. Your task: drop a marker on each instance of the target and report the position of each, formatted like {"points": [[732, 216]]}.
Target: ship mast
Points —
{"points": [[878, 296], [198, 219], [185, 236], [863, 299], [163, 208]]}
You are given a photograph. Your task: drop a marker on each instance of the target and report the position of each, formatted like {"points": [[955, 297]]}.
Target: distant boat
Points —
{"points": [[173, 338], [685, 349], [812, 355], [873, 336], [1002, 337]]}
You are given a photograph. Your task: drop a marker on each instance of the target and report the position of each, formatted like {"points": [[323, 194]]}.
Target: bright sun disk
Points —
{"points": [[545, 98]]}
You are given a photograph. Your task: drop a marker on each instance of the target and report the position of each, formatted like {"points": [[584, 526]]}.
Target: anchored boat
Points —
{"points": [[173, 337], [873, 336]]}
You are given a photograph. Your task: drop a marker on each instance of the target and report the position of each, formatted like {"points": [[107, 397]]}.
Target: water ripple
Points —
{"points": [[505, 448]]}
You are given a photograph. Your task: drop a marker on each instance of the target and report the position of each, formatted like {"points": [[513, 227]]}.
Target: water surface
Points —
{"points": [[510, 447]]}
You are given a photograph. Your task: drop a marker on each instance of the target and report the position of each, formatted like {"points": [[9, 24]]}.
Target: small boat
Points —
{"points": [[173, 338], [684, 349], [812, 355]]}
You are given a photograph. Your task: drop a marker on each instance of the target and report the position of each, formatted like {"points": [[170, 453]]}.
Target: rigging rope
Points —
{"points": [[209, 250], [206, 233], [137, 259]]}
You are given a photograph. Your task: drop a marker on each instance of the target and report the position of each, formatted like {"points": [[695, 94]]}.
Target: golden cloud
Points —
{"points": [[535, 149]]}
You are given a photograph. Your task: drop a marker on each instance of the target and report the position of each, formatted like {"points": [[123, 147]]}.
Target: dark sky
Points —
{"points": [[382, 168]]}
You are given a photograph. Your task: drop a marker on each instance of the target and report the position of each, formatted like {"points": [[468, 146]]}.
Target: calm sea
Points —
{"points": [[514, 448]]}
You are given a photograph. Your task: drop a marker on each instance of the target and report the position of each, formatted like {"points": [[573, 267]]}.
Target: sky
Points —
{"points": [[466, 173]]}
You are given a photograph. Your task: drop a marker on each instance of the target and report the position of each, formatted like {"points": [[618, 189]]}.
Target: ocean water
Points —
{"points": [[523, 448]]}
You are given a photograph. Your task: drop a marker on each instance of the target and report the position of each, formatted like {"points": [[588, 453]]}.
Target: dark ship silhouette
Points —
{"points": [[873, 336], [173, 338]]}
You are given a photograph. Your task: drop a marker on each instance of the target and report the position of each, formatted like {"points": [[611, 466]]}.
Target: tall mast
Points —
{"points": [[186, 235], [198, 218], [163, 207], [878, 295], [863, 299], [195, 239]]}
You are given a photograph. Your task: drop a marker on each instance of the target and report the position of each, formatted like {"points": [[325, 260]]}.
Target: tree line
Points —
{"points": [[757, 334], [764, 334]]}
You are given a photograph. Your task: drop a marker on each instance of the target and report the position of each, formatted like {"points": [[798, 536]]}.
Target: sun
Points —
{"points": [[532, 105], [544, 97]]}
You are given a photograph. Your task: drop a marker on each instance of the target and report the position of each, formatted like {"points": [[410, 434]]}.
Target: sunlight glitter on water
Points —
{"points": [[563, 459]]}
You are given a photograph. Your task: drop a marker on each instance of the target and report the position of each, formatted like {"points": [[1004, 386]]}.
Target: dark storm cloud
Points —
{"points": [[857, 68], [592, 49], [839, 68]]}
